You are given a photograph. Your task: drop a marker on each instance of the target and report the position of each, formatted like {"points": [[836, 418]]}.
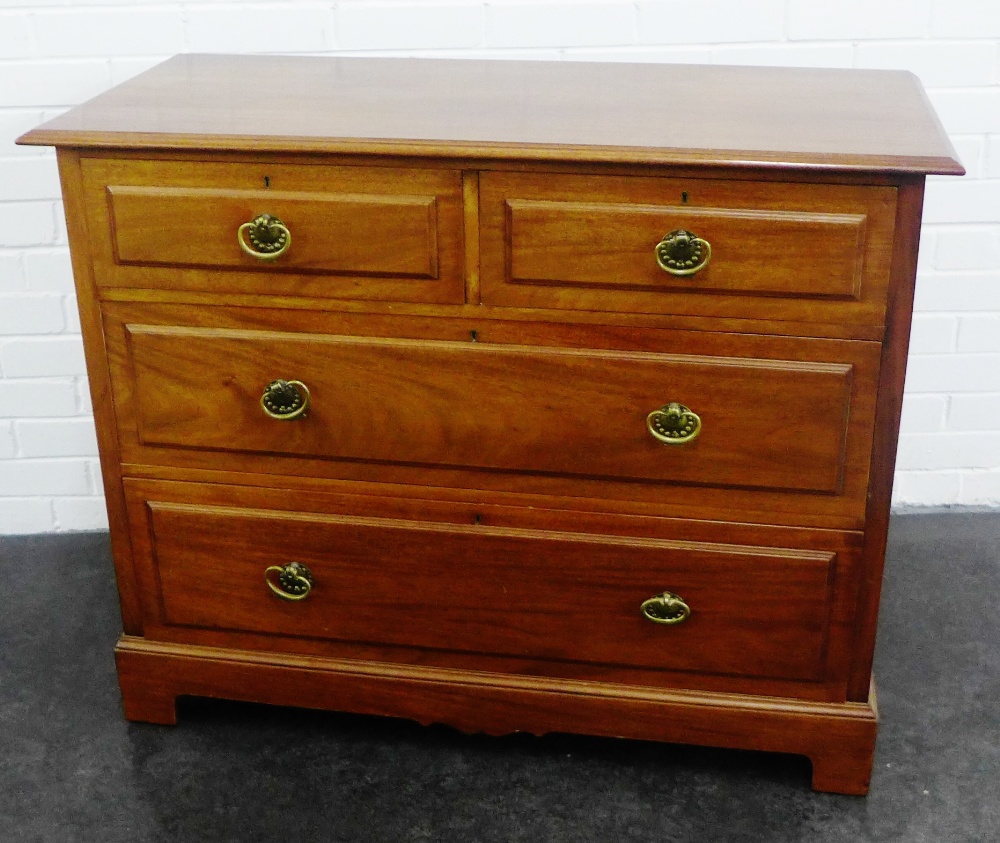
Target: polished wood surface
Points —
{"points": [[358, 232], [753, 252], [497, 407], [838, 739], [650, 113], [190, 397], [351, 502], [543, 594], [343, 234], [99, 383], [472, 297], [779, 250], [892, 374]]}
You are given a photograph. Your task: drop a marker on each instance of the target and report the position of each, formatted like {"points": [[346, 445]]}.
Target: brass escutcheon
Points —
{"points": [[666, 608], [295, 581], [673, 424], [285, 400], [269, 237], [682, 253]]}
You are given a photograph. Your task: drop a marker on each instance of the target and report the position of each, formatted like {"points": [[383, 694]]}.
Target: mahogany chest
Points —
{"points": [[513, 396]]}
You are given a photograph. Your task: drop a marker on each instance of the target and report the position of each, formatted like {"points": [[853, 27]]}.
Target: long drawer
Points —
{"points": [[778, 424], [768, 250], [518, 592]]}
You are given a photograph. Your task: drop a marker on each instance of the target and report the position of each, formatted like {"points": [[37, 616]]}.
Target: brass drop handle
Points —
{"points": [[268, 237], [682, 253], [285, 400], [673, 424], [665, 608], [294, 581]]}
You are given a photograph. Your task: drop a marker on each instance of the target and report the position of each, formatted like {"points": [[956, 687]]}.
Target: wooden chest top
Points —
{"points": [[575, 111]]}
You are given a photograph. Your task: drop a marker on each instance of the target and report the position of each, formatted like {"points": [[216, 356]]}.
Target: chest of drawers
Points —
{"points": [[505, 395]]}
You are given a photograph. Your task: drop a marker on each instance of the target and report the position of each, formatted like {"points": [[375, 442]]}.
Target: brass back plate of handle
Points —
{"points": [[673, 424], [666, 608], [293, 581], [682, 253], [285, 400], [265, 237]]}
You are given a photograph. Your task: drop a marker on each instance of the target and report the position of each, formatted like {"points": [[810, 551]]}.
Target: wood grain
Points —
{"points": [[359, 232], [496, 407], [892, 374], [839, 738], [470, 196], [303, 309], [345, 234], [353, 503], [648, 113], [472, 296], [281, 454], [779, 251], [99, 383], [754, 252], [535, 593]]}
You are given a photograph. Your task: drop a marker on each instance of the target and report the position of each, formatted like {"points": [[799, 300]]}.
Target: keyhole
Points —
{"points": [[473, 336], [267, 181], [684, 197]]}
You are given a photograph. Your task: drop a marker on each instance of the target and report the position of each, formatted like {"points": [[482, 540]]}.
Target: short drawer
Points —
{"points": [[278, 229], [535, 594], [733, 248], [582, 413]]}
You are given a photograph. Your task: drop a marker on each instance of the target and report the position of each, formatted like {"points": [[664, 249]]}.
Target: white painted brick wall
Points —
{"points": [[31, 313], [932, 333], [542, 24], [47, 271], [966, 247], [974, 412], [408, 26], [26, 357], [270, 28], [938, 64], [88, 30], [27, 223], [968, 111], [7, 447], [56, 437], [849, 19], [980, 333], [992, 169], [710, 21], [923, 413], [57, 53], [964, 19], [38, 398]]}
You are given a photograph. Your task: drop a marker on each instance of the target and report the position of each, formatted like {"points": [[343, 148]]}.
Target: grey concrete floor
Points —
{"points": [[72, 769]]}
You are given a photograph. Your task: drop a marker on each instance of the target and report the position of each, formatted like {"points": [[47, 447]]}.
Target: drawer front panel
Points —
{"points": [[781, 251], [753, 252], [779, 424], [332, 233], [564, 596], [354, 232]]}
